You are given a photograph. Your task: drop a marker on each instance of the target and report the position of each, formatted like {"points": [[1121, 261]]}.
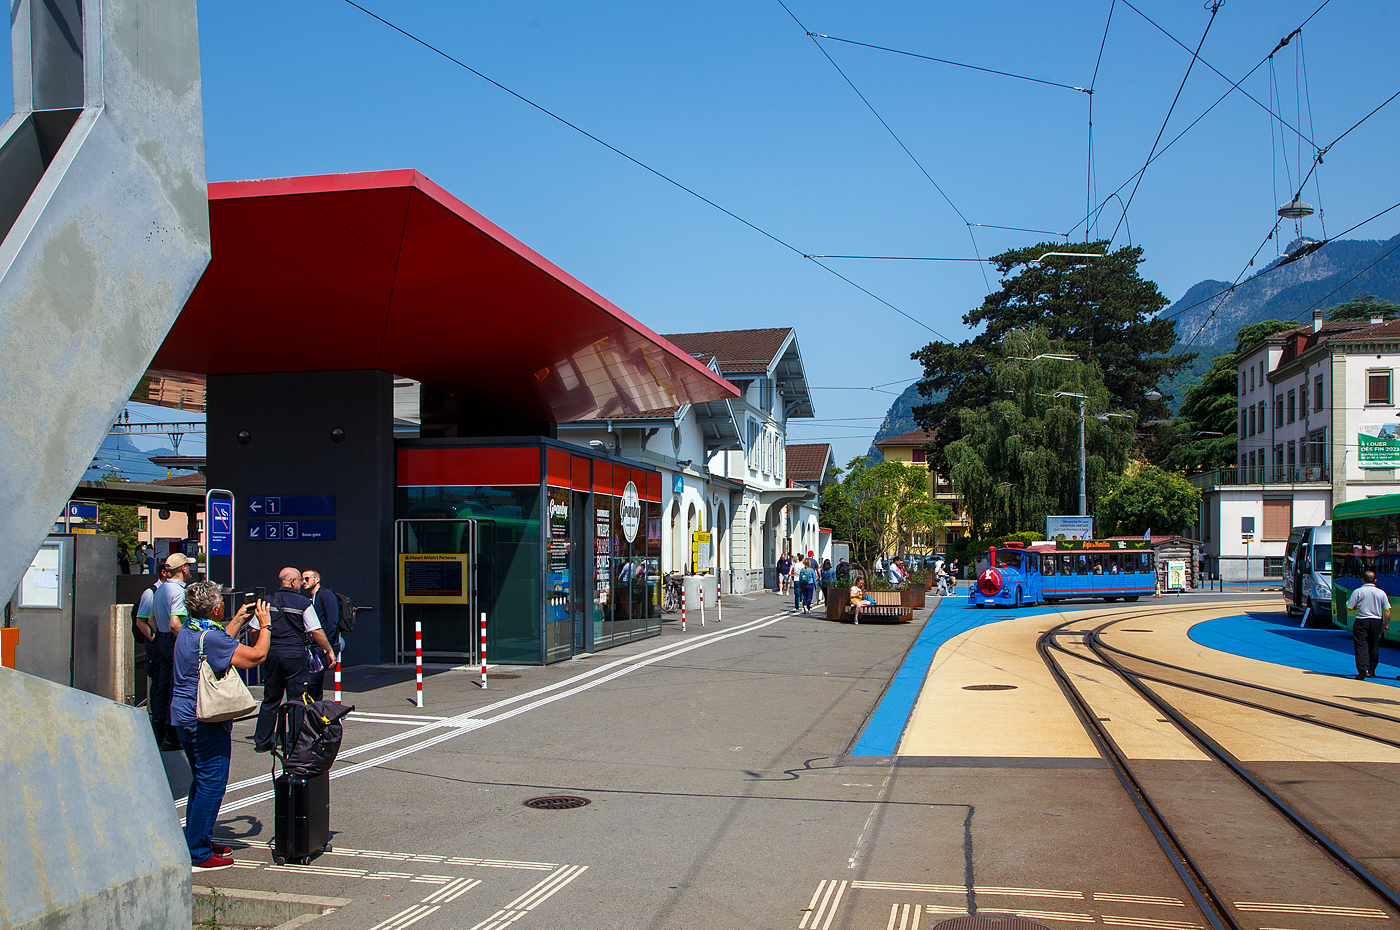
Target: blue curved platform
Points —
{"points": [[1325, 651]]}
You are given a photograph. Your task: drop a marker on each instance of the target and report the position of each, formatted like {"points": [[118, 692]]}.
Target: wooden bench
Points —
{"points": [[889, 607]]}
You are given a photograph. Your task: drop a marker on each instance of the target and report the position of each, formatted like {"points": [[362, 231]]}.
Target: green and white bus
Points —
{"points": [[1365, 535]]}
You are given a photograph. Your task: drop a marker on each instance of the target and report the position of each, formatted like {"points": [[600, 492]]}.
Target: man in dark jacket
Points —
{"points": [[295, 627], [328, 612]]}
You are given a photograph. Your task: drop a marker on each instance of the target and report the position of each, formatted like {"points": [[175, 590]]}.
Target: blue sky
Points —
{"points": [[736, 102]]}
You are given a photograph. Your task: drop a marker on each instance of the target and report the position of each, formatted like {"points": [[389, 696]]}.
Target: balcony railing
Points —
{"points": [[1261, 474]]}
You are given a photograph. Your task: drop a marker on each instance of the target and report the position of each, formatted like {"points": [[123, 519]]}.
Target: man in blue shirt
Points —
{"points": [[296, 630], [328, 612], [1372, 606], [168, 616]]}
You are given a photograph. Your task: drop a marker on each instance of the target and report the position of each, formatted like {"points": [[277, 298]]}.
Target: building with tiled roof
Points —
{"points": [[723, 462], [811, 464], [1316, 426], [910, 449]]}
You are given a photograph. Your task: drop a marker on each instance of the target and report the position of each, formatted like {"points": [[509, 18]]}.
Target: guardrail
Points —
{"points": [[1260, 474]]}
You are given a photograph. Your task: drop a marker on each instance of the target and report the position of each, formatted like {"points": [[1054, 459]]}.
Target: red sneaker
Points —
{"points": [[212, 864], [223, 852]]}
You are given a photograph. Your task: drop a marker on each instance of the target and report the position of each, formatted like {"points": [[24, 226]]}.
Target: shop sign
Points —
{"points": [[1377, 446], [1075, 545], [630, 512]]}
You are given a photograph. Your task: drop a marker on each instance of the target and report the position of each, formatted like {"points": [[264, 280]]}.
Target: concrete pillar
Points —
{"points": [[314, 433]]}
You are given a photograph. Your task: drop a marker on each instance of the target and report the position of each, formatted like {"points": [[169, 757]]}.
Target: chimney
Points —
{"points": [[1317, 321], [1377, 319]]}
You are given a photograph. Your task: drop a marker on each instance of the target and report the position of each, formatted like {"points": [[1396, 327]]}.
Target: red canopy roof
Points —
{"points": [[386, 270]]}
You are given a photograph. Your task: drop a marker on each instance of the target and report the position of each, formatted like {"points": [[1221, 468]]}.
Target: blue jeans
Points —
{"points": [[207, 748]]}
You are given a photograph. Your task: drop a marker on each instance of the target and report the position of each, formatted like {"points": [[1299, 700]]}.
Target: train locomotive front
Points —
{"points": [[1011, 578]]}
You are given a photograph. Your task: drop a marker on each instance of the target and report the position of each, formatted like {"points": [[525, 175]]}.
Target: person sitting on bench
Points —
{"points": [[859, 598]]}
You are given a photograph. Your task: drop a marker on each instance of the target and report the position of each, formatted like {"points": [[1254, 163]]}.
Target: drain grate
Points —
{"points": [[987, 922], [989, 687], [557, 802]]}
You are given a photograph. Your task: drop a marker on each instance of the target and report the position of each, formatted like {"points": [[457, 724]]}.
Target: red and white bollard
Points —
{"points": [[719, 597], [483, 651], [418, 648], [337, 679], [702, 600], [682, 606]]}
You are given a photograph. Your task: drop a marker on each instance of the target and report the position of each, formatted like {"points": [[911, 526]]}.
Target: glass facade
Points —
{"points": [[568, 547]]}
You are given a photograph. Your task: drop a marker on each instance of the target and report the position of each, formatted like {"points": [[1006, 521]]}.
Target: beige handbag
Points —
{"points": [[219, 699]]}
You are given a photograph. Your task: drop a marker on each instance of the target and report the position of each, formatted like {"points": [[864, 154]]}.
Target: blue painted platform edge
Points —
{"points": [[952, 617], [1324, 651]]}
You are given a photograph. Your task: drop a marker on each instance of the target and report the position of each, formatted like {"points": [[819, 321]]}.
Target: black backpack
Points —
{"points": [[345, 613], [309, 735]]}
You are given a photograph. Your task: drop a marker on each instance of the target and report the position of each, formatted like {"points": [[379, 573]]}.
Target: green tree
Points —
{"points": [[876, 506], [118, 520], [1017, 456], [1100, 310], [1148, 498], [1362, 307]]}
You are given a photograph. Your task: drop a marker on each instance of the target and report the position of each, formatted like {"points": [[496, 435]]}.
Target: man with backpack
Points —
{"points": [[288, 669], [329, 610], [807, 582]]}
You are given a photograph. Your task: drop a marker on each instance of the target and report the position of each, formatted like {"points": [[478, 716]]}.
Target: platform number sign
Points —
{"points": [[1247, 529]]}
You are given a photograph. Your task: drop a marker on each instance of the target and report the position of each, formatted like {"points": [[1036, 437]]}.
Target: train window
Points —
{"points": [[1081, 564], [1008, 558], [1066, 565]]}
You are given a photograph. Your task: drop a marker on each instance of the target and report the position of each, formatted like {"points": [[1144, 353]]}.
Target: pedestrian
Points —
{"points": [[207, 746], [328, 612], [167, 616], [146, 556], [145, 629], [895, 573], [807, 582], [795, 580], [825, 578], [1372, 606], [784, 570], [295, 626]]}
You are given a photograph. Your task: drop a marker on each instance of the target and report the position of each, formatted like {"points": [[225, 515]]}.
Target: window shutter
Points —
{"points": [[1278, 518]]}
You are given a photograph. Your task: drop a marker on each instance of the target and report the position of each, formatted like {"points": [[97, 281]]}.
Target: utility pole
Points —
{"points": [[1083, 497]]}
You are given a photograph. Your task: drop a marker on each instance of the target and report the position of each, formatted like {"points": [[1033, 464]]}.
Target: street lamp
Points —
{"points": [[1104, 417], [1083, 407], [1049, 355]]}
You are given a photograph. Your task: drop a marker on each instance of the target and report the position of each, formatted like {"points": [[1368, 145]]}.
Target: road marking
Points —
{"points": [[1328, 910], [834, 890], [405, 917], [979, 889], [902, 912], [452, 891], [1149, 923], [440, 860], [1139, 899], [531, 899], [470, 721]]}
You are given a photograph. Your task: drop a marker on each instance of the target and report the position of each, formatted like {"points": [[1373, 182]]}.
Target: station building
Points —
{"points": [[326, 292], [1317, 426]]}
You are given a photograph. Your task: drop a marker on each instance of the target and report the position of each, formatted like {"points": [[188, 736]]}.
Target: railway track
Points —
{"points": [[1207, 859]]}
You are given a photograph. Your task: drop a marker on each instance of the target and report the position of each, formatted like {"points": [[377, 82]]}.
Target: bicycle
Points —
{"points": [[945, 587], [671, 594]]}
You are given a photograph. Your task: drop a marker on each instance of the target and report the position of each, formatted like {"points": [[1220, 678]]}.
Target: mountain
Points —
{"points": [[1333, 274], [900, 417], [118, 453]]}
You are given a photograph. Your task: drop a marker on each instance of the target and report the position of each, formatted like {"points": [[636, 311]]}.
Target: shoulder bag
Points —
{"points": [[219, 699]]}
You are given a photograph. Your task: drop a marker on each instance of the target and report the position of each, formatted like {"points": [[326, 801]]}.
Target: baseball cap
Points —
{"points": [[177, 560]]}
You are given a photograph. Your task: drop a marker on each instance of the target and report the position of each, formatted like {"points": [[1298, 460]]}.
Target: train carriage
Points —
{"points": [[1048, 573]]}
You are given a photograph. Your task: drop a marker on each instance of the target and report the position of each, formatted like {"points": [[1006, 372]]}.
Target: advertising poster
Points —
{"points": [[1377, 446], [1069, 527], [1176, 575], [557, 557]]}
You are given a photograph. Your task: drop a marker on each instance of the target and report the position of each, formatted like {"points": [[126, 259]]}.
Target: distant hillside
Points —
{"points": [[899, 418], [1289, 293]]}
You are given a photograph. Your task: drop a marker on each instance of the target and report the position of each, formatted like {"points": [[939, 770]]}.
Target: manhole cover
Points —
{"points": [[501, 676], [988, 688], [557, 802], [982, 922]]}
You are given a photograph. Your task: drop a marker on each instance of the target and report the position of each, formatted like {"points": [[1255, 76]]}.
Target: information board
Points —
{"points": [[433, 578], [700, 551], [40, 585], [292, 505], [305, 530], [1176, 575], [219, 519]]}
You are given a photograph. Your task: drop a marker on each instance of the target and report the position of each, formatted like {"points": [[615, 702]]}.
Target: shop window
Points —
{"points": [[1378, 386]]}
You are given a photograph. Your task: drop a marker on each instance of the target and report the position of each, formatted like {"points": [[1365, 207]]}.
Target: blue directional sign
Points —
{"points": [[292, 505], [87, 512], [291, 529], [219, 519]]}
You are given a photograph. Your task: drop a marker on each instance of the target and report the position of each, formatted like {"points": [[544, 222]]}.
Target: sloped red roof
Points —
{"points": [[736, 349], [913, 438], [192, 480], [807, 461]]}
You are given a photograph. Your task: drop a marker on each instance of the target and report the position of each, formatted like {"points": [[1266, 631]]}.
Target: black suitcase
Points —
{"points": [[301, 805], [301, 817]]}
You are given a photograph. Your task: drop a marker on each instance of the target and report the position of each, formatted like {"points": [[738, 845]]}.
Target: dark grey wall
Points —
{"points": [[289, 419]]}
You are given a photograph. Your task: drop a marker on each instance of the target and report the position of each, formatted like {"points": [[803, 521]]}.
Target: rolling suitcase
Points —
{"points": [[301, 804]]}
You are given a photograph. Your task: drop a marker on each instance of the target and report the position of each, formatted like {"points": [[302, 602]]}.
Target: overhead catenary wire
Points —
{"points": [[1206, 112], [640, 164], [900, 142], [1214, 10], [945, 61]]}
